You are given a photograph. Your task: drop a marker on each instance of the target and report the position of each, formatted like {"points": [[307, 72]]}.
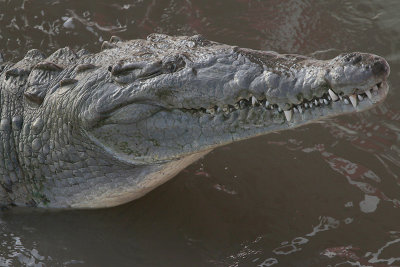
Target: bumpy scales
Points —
{"points": [[98, 130]]}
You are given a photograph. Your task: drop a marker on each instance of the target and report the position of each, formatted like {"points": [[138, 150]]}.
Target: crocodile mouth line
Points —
{"points": [[325, 101]]}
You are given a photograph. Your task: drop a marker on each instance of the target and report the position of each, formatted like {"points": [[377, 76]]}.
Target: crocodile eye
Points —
{"points": [[173, 64], [170, 67]]}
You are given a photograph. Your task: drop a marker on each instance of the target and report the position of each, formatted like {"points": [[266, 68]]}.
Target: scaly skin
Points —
{"points": [[87, 131]]}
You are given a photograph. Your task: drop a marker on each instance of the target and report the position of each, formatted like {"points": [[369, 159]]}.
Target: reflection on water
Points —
{"points": [[16, 252], [320, 195], [19, 250], [378, 137]]}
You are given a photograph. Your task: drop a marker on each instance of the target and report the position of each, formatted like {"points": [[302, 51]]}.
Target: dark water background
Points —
{"points": [[322, 195]]}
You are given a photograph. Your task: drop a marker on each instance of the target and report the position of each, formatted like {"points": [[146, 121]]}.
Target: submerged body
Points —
{"points": [[87, 130]]}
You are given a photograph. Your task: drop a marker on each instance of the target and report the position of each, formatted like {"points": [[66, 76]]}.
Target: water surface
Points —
{"points": [[325, 194]]}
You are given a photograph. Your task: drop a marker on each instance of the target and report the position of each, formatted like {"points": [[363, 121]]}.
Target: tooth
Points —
{"points": [[288, 114], [295, 110], [300, 109], [360, 97], [329, 98], [316, 102], [254, 101], [225, 109], [266, 104], [333, 95], [321, 101], [211, 111], [353, 100], [279, 109], [375, 88], [236, 106], [219, 109], [306, 105], [368, 93], [310, 104], [346, 101], [326, 102]]}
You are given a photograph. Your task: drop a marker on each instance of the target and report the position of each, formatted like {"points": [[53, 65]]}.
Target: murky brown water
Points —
{"points": [[321, 195]]}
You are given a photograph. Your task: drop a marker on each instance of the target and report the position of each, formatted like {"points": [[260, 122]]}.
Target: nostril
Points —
{"points": [[356, 59], [348, 57], [380, 67]]}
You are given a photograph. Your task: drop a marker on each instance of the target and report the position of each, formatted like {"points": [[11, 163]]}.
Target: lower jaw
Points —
{"points": [[221, 128], [340, 107], [258, 120], [260, 116]]}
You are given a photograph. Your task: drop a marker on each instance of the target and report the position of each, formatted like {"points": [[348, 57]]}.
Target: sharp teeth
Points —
{"points": [[353, 100], [375, 88], [295, 110], [306, 105], [368, 93], [321, 101], [279, 109], [326, 102], [288, 114], [254, 101], [266, 104], [300, 109], [333, 95], [346, 101], [211, 111], [316, 102], [310, 104], [236, 106], [360, 97]]}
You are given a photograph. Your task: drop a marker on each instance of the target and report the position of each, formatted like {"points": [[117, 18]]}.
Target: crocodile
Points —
{"points": [[83, 130]]}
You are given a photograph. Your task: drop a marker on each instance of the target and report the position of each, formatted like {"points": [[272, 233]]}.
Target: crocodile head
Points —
{"points": [[183, 95]]}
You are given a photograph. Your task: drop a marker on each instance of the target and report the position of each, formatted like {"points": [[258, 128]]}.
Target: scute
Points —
{"points": [[199, 40], [36, 94], [35, 54], [63, 57]]}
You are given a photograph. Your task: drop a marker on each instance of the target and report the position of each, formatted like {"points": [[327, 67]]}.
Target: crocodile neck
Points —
{"points": [[11, 123]]}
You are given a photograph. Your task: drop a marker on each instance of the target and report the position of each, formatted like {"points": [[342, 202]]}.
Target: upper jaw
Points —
{"points": [[314, 83], [356, 72], [365, 86]]}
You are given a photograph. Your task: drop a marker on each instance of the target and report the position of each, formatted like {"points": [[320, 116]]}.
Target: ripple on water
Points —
{"points": [[325, 194]]}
